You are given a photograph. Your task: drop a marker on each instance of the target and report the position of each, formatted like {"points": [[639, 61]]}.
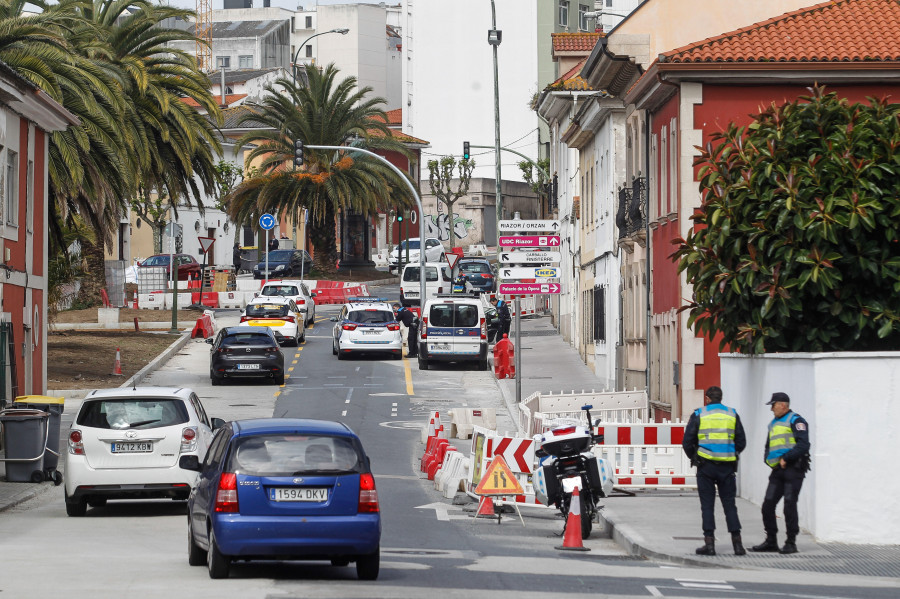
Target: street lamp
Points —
{"points": [[342, 31], [494, 38]]}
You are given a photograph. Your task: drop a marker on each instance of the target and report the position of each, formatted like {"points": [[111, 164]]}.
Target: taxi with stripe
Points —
{"points": [[279, 314]]}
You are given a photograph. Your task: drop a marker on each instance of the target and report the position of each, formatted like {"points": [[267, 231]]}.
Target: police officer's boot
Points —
{"points": [[770, 544], [737, 544], [709, 548], [790, 546]]}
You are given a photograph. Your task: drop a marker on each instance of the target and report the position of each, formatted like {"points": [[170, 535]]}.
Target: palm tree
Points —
{"points": [[324, 112]]}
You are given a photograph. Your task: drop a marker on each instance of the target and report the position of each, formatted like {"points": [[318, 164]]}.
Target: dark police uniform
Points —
{"points": [[505, 319], [713, 438], [788, 440], [411, 323]]}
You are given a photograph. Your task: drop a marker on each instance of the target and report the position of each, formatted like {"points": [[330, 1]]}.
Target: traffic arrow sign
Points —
{"points": [[529, 225], [528, 288], [520, 241], [540, 272], [519, 453], [530, 257]]}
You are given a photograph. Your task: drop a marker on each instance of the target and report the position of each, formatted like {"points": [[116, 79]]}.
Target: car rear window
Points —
{"points": [[453, 315], [133, 413], [267, 310], [282, 290], [371, 316], [296, 454], [248, 339], [411, 273], [475, 267]]}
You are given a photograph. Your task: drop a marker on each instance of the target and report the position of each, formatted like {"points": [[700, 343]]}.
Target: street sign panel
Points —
{"points": [[539, 272], [267, 222], [526, 288], [529, 226], [498, 479], [206, 243], [451, 259], [530, 241], [530, 257]]}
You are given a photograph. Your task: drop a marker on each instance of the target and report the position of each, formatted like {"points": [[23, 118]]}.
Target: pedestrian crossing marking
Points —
{"points": [[498, 479]]}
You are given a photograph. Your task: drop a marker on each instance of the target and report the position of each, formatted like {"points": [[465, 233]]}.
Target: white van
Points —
{"points": [[437, 280], [453, 329]]}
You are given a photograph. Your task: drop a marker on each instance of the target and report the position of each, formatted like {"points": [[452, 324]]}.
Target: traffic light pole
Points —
{"points": [[415, 195]]}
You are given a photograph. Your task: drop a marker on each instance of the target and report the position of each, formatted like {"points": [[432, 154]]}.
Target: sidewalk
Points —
{"points": [[665, 525]]}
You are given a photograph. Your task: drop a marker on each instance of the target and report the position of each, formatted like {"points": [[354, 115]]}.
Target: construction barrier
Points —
{"points": [[451, 477], [184, 300], [646, 455], [539, 411], [518, 453], [210, 299], [152, 301], [504, 359], [204, 327], [463, 421]]}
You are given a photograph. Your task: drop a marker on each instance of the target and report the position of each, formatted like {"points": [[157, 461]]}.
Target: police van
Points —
{"points": [[453, 328]]}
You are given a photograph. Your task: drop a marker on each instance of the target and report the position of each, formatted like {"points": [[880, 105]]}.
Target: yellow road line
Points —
{"points": [[293, 361], [277, 393], [408, 374], [291, 369]]}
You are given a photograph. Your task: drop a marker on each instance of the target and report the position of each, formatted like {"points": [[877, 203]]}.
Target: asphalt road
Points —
{"points": [[139, 549]]}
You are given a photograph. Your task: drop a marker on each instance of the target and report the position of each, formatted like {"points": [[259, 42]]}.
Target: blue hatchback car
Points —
{"points": [[284, 489]]}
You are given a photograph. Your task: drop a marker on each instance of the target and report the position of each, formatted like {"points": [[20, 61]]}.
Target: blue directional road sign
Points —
{"points": [[267, 222]]}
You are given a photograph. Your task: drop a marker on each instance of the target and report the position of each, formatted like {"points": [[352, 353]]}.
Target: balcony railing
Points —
{"points": [[631, 215]]}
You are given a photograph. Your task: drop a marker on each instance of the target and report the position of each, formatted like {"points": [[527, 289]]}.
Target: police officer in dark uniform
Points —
{"points": [[411, 323], [713, 439], [787, 454], [505, 317]]}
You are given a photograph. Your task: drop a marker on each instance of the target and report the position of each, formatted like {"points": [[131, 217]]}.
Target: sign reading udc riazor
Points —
{"points": [[527, 241]]}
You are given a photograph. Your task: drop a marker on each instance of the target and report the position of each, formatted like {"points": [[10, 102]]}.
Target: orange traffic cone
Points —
{"points": [[117, 369], [572, 538], [485, 507]]}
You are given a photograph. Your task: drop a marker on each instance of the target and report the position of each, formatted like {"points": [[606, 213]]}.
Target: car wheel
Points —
{"points": [[334, 352], [213, 379], [483, 364], [196, 555], [279, 379], [76, 508], [423, 363], [217, 563], [367, 565], [340, 562], [341, 355]]}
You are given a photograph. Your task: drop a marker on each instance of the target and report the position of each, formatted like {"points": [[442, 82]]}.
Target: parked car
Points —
{"points": [[283, 263], [453, 329], [244, 351], [434, 252], [126, 444], [280, 314], [284, 488], [479, 273], [296, 291], [366, 325], [188, 267], [437, 280]]}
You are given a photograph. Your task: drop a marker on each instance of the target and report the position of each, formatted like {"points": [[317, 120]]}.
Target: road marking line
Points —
{"points": [[698, 585], [654, 592], [344, 413], [294, 362], [277, 393], [291, 369], [347, 401], [407, 372]]}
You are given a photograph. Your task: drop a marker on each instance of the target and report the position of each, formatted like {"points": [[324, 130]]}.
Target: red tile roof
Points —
{"points": [[574, 42], [837, 31], [572, 79], [229, 99], [395, 117]]}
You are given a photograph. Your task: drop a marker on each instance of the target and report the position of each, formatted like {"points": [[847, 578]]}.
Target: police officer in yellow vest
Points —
{"points": [[713, 438], [787, 454]]}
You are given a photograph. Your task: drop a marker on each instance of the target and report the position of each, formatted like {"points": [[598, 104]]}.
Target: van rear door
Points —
{"points": [[454, 329]]}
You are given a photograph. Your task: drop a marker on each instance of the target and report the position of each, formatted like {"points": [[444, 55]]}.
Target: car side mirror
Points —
{"points": [[189, 462], [333, 319], [210, 341], [312, 294], [217, 423]]}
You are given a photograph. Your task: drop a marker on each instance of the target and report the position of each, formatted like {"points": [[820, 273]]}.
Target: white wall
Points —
{"points": [[448, 79], [852, 404], [362, 52]]}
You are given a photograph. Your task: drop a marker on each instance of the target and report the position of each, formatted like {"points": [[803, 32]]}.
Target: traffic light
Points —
{"points": [[298, 152], [400, 212], [466, 150]]}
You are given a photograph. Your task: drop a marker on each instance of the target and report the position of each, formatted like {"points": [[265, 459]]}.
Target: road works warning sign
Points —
{"points": [[498, 479]]}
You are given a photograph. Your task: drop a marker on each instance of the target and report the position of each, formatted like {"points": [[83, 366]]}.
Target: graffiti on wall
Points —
{"points": [[438, 226]]}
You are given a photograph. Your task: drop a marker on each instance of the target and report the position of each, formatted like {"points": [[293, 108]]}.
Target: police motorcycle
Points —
{"points": [[566, 462]]}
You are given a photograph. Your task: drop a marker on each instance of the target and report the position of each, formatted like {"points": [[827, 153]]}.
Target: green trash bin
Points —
{"points": [[54, 407], [24, 440]]}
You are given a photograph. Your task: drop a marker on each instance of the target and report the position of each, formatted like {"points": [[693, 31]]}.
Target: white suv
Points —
{"points": [[294, 290], [127, 443], [453, 329], [366, 325], [434, 252]]}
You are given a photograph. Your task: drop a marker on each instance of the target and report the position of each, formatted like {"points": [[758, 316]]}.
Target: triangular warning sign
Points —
{"points": [[452, 259], [206, 243], [498, 479]]}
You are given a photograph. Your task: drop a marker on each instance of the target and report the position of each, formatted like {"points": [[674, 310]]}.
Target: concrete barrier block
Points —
{"points": [[151, 301], [184, 301], [231, 299]]}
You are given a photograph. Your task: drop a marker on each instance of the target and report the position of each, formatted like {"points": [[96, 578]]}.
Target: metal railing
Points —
{"points": [[631, 213]]}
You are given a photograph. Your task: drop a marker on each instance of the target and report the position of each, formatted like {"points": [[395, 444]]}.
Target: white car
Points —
{"points": [[279, 314], [366, 325], [434, 252], [127, 444], [294, 290], [437, 280]]}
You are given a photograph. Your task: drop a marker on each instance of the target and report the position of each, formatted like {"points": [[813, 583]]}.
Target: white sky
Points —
{"points": [[289, 4]]}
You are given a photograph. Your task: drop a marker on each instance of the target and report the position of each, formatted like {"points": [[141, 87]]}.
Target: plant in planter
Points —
{"points": [[796, 245]]}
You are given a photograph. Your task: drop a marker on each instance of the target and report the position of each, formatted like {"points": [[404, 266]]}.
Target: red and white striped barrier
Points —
{"points": [[646, 455], [519, 456]]}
